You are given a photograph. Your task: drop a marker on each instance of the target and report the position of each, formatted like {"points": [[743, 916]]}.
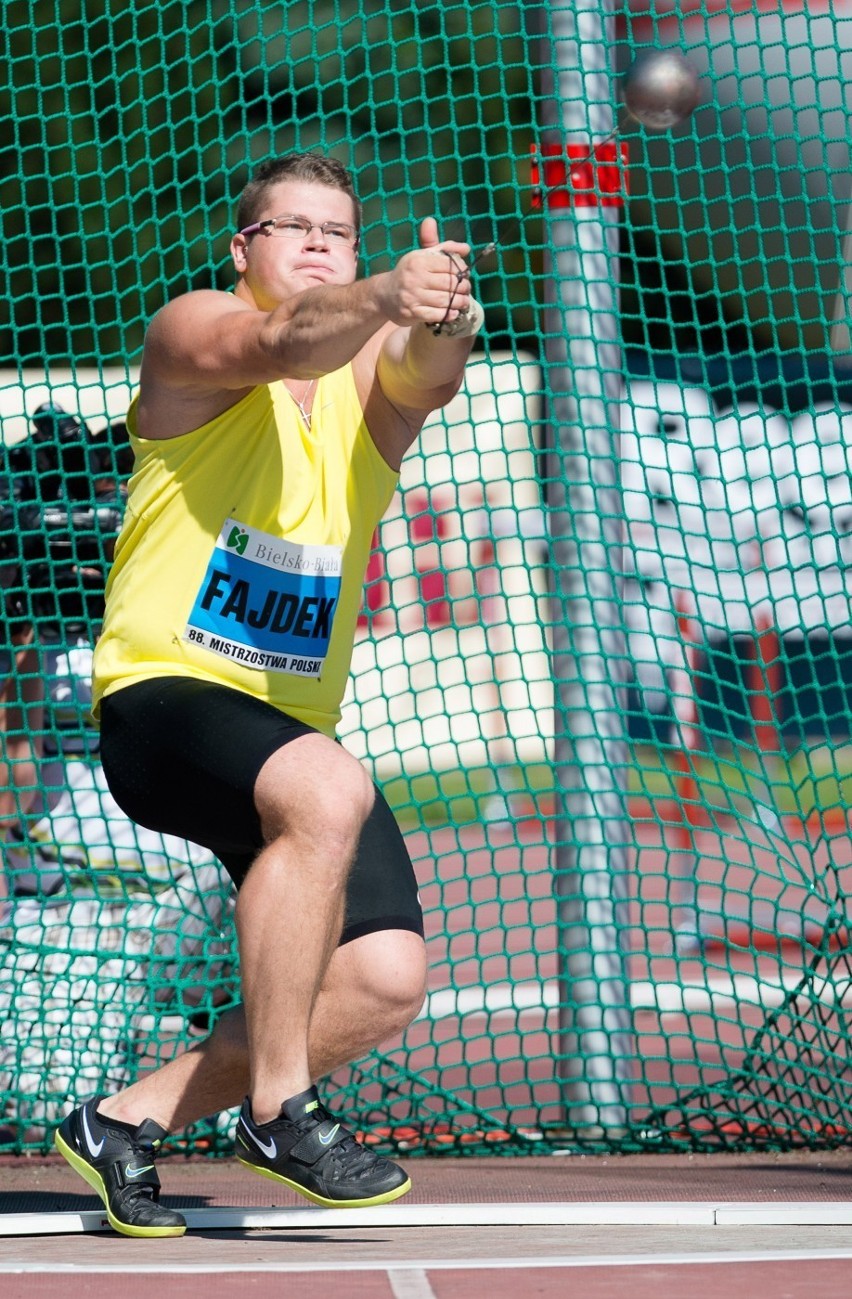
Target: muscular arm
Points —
{"points": [[209, 339], [205, 349]]}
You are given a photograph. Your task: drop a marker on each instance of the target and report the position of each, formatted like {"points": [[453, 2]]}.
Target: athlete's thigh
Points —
{"points": [[182, 756], [315, 790]]}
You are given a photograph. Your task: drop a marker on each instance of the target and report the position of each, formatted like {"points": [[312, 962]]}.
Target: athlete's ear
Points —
{"points": [[239, 252]]}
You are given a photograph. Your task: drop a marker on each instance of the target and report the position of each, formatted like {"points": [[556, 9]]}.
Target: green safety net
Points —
{"points": [[673, 973]]}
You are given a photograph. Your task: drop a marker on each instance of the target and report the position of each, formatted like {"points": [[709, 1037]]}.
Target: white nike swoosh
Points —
{"points": [[326, 1141], [270, 1150], [94, 1150]]}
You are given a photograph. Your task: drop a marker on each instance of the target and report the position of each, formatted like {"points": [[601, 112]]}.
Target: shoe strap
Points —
{"points": [[315, 1144], [150, 1134], [303, 1105], [117, 1181]]}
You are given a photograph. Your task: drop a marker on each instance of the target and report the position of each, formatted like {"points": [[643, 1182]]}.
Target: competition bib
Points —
{"points": [[266, 603]]}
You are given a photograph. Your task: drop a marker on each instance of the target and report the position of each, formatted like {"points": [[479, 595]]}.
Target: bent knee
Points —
{"points": [[317, 790], [391, 972], [406, 1002], [342, 804]]}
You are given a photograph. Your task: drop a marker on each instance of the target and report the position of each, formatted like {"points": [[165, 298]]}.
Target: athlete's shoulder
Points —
{"points": [[191, 362], [196, 306]]}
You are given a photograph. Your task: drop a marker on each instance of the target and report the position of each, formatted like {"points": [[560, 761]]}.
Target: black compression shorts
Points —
{"points": [[182, 756]]}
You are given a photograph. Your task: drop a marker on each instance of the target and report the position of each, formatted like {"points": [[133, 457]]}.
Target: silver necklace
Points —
{"points": [[306, 414]]}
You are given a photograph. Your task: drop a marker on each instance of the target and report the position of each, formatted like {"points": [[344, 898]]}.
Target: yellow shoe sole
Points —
{"points": [[93, 1177], [321, 1200]]}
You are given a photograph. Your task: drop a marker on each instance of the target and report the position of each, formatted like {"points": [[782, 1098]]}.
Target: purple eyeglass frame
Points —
{"points": [[257, 226]]}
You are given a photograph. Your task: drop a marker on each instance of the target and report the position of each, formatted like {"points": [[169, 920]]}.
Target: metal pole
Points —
{"points": [[583, 389], [840, 340]]}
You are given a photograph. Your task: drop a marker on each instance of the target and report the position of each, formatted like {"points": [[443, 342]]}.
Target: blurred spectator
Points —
{"points": [[103, 920]]}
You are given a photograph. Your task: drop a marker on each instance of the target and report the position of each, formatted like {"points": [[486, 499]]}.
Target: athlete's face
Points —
{"points": [[274, 266]]}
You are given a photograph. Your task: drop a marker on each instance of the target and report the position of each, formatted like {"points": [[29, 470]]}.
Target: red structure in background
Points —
{"points": [[376, 590], [764, 685], [427, 527], [687, 733], [580, 175]]}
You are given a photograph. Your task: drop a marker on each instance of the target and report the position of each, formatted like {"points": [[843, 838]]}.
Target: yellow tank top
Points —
{"points": [[243, 552]]}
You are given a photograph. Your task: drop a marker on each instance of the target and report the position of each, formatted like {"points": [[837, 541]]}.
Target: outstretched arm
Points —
{"points": [[209, 338], [206, 348]]}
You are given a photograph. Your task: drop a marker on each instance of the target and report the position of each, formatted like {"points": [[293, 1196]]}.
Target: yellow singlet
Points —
{"points": [[243, 552]]}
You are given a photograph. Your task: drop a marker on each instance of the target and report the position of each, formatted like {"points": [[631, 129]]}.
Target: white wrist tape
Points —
{"points": [[466, 323]]}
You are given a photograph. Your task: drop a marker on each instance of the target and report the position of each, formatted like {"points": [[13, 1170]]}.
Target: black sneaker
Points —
{"points": [[120, 1167], [307, 1150]]}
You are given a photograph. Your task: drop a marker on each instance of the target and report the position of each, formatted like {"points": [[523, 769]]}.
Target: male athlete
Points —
{"points": [[269, 429]]}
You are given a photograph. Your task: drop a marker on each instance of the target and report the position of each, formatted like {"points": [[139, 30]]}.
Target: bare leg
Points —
{"points": [[373, 988], [313, 799]]}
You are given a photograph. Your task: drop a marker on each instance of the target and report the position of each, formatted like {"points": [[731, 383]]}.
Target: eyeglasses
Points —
{"points": [[291, 226]]}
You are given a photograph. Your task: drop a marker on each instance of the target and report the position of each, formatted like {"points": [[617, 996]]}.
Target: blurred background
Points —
{"points": [[145, 123], [132, 133], [129, 134]]}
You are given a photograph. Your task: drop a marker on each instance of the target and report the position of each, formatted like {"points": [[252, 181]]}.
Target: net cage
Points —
{"points": [[603, 664]]}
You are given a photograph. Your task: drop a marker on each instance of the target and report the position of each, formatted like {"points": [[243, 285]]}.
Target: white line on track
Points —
{"points": [[566, 1213], [490, 1264], [413, 1284], [715, 994], [562, 1213]]}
